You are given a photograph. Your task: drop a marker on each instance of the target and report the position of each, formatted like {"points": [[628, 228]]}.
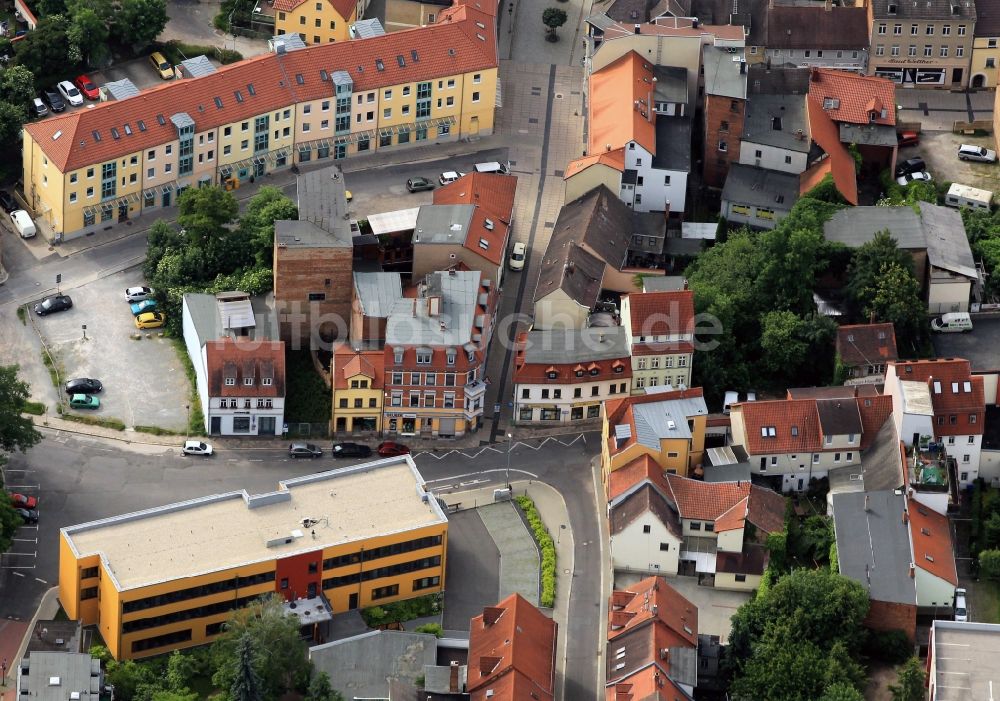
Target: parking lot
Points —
{"points": [[939, 150], [978, 346], [473, 572], [144, 381]]}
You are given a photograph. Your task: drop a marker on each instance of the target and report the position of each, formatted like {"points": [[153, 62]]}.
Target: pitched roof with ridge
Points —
{"points": [[348, 363], [649, 417], [243, 361], [344, 8], [840, 163], [613, 159], [637, 503], [954, 391], [817, 27], [653, 600], [661, 313], [615, 118], [454, 44], [933, 550], [853, 98], [866, 344], [492, 196]]}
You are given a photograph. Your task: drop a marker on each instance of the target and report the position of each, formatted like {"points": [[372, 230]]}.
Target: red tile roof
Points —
{"points": [[613, 159], [795, 422], [646, 684], [615, 119], [493, 197], [344, 8], [452, 45], [566, 373], [933, 549], [654, 600], [858, 96], [661, 348], [348, 363], [512, 649], [827, 135], [866, 344], [661, 313], [241, 359], [705, 501], [955, 391], [639, 470], [874, 412]]}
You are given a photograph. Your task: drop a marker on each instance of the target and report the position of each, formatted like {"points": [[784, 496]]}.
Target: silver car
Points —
{"points": [[138, 294], [967, 152]]}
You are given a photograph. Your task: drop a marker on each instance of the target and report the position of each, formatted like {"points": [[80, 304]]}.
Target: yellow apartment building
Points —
{"points": [[95, 169], [168, 577], [317, 21], [985, 53], [407, 14], [358, 390]]}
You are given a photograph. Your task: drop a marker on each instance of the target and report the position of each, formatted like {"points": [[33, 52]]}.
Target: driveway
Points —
{"points": [[472, 579], [979, 346], [137, 70], [191, 22], [144, 381]]}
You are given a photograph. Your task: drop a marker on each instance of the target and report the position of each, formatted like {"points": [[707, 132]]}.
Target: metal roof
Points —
{"points": [[341, 78], [392, 222], [655, 421], [196, 67], [722, 72], [443, 223], [181, 120], [377, 292], [367, 28], [290, 42], [121, 89], [410, 322], [760, 187], [54, 676], [323, 216], [361, 666]]}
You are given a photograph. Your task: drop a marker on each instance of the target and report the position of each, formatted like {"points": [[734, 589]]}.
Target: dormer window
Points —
{"points": [[594, 371], [230, 382], [552, 375], [619, 368], [266, 382], [892, 8], [398, 356], [579, 373], [248, 381]]}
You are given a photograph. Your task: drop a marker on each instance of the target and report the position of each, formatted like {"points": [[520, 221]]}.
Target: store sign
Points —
{"points": [[912, 75]]}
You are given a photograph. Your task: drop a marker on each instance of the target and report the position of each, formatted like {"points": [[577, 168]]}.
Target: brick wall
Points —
{"points": [[305, 271], [888, 616], [722, 124]]}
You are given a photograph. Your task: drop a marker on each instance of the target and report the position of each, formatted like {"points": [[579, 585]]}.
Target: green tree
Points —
{"points": [[866, 269], [266, 207], [989, 250], [434, 629], [16, 432], [553, 18], [991, 531], [12, 118], [130, 679], [910, 681], [205, 213], [139, 22], [895, 297], [44, 51], [180, 669], [841, 691], [989, 564], [47, 8], [246, 684], [17, 87], [88, 34], [320, 689], [164, 695], [781, 342]]}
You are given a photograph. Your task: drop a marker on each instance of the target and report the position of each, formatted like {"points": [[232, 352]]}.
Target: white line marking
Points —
{"points": [[18, 574], [501, 450], [39, 579], [481, 472]]}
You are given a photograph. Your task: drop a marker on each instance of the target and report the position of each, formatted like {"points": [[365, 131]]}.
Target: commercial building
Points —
{"points": [[168, 577], [757, 197], [660, 330], [828, 36], [358, 389], [94, 169], [57, 676]]}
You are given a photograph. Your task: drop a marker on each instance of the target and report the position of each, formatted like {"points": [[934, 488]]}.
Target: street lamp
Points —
{"points": [[507, 473]]}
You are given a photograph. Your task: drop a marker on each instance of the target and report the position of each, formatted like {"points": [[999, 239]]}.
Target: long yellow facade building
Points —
{"points": [[95, 169], [169, 577]]}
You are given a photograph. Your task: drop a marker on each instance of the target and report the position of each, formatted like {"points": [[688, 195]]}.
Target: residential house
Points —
{"points": [[564, 375], [88, 170], [775, 131], [978, 641], [468, 225], [934, 236], [317, 21], [436, 339], [725, 95], [666, 427], [790, 442], [671, 525], [358, 379], [642, 110], [593, 247], [660, 330], [239, 364], [313, 260], [863, 350], [408, 14], [985, 49], [927, 45], [941, 402], [827, 36], [757, 197], [750, 16], [652, 647], [512, 653]]}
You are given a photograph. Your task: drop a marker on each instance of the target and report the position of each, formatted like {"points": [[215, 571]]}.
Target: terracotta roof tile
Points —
{"points": [[933, 549], [865, 344], [642, 468], [613, 159], [493, 197], [874, 412], [348, 363], [955, 391], [646, 684], [661, 348], [766, 509], [795, 423], [827, 135], [344, 8], [241, 360], [619, 411], [705, 501], [614, 118], [857, 95], [640, 503], [734, 518], [652, 599], [661, 313]]}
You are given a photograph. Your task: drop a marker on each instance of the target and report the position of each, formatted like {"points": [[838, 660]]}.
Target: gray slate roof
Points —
{"points": [[722, 73], [673, 143], [868, 134], [77, 672], [760, 187], [368, 28], [361, 667], [409, 322], [323, 219], [781, 80], [760, 127], [378, 292], [987, 18], [873, 545], [924, 10], [291, 42], [671, 84], [839, 417], [880, 464], [653, 419], [121, 89], [576, 345]]}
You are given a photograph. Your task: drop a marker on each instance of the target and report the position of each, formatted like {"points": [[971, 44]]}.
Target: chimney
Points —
{"points": [[685, 283], [638, 28], [813, 75], [453, 677], [433, 305], [913, 570]]}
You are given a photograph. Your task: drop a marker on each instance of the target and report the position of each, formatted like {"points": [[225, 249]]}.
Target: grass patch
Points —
{"points": [[307, 398], [52, 367], [402, 611], [157, 431], [196, 416], [102, 421], [987, 594], [545, 546], [22, 315], [33, 408]]}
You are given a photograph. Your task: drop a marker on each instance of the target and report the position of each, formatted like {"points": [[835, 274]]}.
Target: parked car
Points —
{"points": [[143, 306], [137, 294], [907, 138], [952, 322], [920, 176], [39, 108], [55, 303], [967, 152], [23, 223], [84, 401], [55, 100], [419, 184], [161, 65], [350, 450], [7, 201], [304, 450], [87, 87], [27, 515], [517, 256], [961, 610], [23, 502], [196, 448], [70, 93], [910, 165], [83, 385], [150, 320], [390, 449], [449, 176]]}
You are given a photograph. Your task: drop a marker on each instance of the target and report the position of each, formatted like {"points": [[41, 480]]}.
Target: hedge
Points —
{"points": [[547, 548]]}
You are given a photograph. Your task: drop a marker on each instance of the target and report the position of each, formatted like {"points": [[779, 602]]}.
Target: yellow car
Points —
{"points": [[161, 65], [150, 320]]}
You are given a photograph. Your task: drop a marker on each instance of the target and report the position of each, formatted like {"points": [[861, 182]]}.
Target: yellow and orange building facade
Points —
{"points": [[169, 577]]}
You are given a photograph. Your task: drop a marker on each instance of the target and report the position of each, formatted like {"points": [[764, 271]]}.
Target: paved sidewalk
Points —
{"points": [[519, 559], [14, 636]]}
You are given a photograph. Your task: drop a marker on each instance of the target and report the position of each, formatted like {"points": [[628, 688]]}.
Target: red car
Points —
{"points": [[86, 86], [22, 502], [390, 449], [908, 138]]}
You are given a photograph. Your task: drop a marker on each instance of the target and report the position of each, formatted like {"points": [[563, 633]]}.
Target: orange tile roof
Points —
{"points": [[661, 313], [348, 363], [614, 118], [865, 344], [646, 684], [858, 95], [874, 412], [948, 402], [613, 159], [784, 415], [639, 470], [827, 135], [452, 45], [705, 501], [493, 197], [512, 647], [933, 549], [814, 174], [661, 348], [652, 599], [242, 359], [344, 8], [734, 518]]}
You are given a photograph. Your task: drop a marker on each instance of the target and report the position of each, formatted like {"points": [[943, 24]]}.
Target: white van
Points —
{"points": [[965, 196], [23, 224], [493, 167], [952, 322]]}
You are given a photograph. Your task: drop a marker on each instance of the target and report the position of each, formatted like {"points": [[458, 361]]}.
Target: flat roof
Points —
{"points": [[395, 221], [965, 655], [222, 531], [53, 676]]}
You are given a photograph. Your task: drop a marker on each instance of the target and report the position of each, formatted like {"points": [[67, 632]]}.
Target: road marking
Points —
{"points": [[481, 472], [256, 460], [25, 540], [39, 579], [31, 554], [516, 444], [23, 486], [17, 574]]}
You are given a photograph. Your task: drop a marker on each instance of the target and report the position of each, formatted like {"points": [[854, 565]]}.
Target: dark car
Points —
{"points": [[27, 515], [83, 385], [304, 450], [55, 100], [56, 303], [419, 184], [350, 450], [7, 201], [390, 449], [910, 165]]}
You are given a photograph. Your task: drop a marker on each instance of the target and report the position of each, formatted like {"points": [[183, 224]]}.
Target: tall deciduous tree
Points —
{"points": [[205, 213], [841, 692], [17, 86], [44, 51], [88, 34], [895, 296], [140, 21], [16, 431], [321, 690], [266, 207], [866, 268]]}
